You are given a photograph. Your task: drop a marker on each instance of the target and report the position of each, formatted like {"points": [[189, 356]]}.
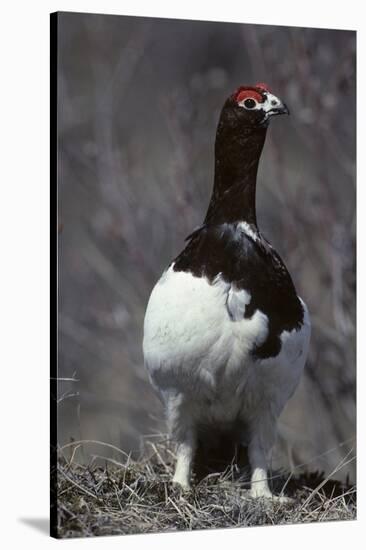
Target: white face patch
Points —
{"points": [[268, 106]]}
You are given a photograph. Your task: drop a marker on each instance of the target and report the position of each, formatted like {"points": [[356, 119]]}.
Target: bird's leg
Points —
{"points": [[183, 468], [259, 480], [262, 438], [182, 431]]}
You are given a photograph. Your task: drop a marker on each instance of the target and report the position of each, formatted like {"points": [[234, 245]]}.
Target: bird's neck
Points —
{"points": [[237, 154]]}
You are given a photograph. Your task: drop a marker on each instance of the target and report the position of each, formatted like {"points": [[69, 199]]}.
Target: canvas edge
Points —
{"points": [[53, 273]]}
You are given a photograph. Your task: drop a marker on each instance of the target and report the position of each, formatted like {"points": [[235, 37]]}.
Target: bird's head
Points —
{"points": [[253, 106]]}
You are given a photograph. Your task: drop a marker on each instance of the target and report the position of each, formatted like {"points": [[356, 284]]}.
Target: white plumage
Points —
{"points": [[198, 356]]}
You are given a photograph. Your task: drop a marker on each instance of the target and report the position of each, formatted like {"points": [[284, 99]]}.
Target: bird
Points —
{"points": [[226, 335]]}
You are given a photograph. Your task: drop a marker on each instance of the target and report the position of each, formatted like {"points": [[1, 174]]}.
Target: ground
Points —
{"points": [[136, 496]]}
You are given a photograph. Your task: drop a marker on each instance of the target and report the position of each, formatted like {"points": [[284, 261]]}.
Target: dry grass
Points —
{"points": [[137, 497]]}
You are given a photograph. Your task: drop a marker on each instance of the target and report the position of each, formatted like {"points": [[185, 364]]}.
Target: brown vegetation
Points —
{"points": [[129, 496]]}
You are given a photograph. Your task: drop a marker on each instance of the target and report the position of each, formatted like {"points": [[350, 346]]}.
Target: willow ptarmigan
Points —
{"points": [[225, 333]]}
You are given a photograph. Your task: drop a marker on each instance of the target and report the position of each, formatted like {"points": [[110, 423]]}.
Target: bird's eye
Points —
{"points": [[250, 103]]}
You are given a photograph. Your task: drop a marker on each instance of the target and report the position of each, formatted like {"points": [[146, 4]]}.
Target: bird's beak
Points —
{"points": [[274, 106], [281, 109]]}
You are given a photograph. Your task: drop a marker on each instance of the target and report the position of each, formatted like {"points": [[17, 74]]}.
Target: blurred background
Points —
{"points": [[139, 101]]}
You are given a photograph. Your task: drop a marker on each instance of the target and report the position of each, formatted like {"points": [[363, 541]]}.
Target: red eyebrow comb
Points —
{"points": [[243, 94], [250, 91]]}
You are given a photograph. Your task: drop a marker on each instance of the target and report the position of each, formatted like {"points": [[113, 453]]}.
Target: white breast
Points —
{"points": [[198, 343]]}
